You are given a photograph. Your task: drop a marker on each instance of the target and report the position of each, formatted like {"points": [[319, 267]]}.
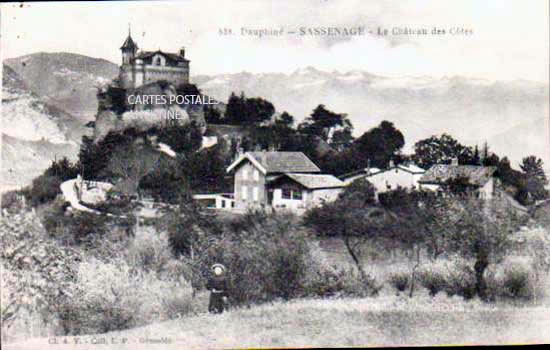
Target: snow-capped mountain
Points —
{"points": [[512, 116], [472, 110]]}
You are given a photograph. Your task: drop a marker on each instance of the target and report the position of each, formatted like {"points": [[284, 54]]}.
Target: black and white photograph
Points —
{"points": [[255, 174]]}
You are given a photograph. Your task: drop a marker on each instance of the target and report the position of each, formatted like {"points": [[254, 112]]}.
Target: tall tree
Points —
{"points": [[535, 178], [323, 122], [436, 150], [379, 145]]}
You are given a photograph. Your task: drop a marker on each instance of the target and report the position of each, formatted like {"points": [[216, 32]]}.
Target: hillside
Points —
{"points": [[33, 132], [65, 80]]}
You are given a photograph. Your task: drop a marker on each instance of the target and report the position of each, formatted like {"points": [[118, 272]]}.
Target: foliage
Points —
{"points": [[131, 164], [204, 171], [361, 191], [43, 189], [323, 123], [442, 149], [400, 280], [181, 138], [535, 178], [241, 110], [36, 271], [114, 295], [379, 145], [63, 169]]}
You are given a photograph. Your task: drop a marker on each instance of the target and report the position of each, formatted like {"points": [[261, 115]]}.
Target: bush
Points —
{"points": [[43, 189], [460, 280], [12, 201], [113, 296], [323, 280], [37, 274], [332, 281], [399, 280], [432, 279], [513, 279]]}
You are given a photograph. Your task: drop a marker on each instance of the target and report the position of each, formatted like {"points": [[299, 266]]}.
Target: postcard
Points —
{"points": [[274, 174]]}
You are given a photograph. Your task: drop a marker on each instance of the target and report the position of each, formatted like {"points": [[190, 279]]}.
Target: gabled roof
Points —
{"points": [[278, 162], [316, 181], [441, 173], [172, 56]]}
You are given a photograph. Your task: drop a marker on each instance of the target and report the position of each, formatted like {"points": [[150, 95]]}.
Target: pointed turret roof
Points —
{"points": [[129, 43]]}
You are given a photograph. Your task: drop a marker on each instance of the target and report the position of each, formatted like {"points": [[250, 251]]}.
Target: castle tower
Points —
{"points": [[129, 49]]}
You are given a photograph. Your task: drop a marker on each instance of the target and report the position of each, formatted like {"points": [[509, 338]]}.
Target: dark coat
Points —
{"points": [[217, 285]]}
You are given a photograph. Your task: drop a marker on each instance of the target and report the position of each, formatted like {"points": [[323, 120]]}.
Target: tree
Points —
{"points": [[379, 145], [285, 119], [480, 230], [131, 164], [181, 138], [241, 110], [437, 150], [535, 178], [356, 224], [323, 122], [360, 190]]}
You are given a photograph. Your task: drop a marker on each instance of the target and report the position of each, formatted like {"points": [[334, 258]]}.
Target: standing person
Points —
{"points": [[217, 285]]}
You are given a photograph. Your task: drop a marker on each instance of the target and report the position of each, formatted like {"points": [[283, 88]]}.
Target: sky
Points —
{"points": [[509, 39]]}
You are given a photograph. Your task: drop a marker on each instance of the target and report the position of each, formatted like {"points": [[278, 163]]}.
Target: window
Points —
{"points": [[223, 204], [245, 174], [286, 193], [244, 192], [256, 175], [255, 194]]}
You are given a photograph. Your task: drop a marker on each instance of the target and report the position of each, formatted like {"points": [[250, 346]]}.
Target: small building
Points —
{"points": [[478, 179], [280, 180], [299, 192], [224, 201], [401, 175]]}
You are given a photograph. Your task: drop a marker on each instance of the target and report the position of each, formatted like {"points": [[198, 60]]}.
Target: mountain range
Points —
{"points": [[48, 97]]}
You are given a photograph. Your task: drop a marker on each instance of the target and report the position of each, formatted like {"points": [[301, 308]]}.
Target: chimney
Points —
{"points": [[454, 161], [391, 164], [264, 158], [182, 52]]}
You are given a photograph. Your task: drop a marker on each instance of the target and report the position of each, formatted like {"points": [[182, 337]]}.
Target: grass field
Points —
{"points": [[381, 321]]}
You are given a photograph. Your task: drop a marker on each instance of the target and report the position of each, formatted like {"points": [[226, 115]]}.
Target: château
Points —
{"points": [[143, 67]]}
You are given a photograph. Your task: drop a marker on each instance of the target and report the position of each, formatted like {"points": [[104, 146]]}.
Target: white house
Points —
{"points": [[401, 175], [280, 180]]}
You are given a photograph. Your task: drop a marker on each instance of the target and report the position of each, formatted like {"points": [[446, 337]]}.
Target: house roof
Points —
{"points": [[441, 173], [278, 162], [316, 181], [172, 56], [410, 168]]}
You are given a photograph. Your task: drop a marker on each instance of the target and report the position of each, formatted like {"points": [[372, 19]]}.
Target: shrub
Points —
{"points": [[432, 279], [399, 280], [460, 280], [36, 272], [513, 279], [13, 201], [325, 281], [43, 189], [113, 296]]}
